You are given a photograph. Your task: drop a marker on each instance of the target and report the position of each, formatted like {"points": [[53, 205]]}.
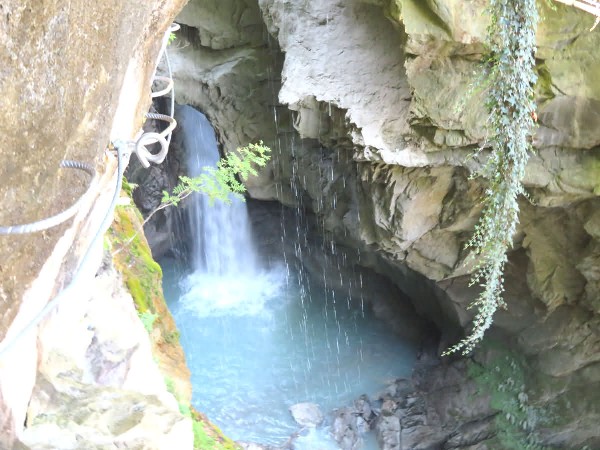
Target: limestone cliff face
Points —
{"points": [[368, 108], [74, 75]]}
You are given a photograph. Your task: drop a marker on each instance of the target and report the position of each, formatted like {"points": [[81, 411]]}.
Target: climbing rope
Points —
{"points": [[9, 341], [60, 217], [142, 152], [144, 155]]}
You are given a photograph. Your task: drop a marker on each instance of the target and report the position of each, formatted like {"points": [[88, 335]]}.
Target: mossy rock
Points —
{"points": [[133, 258], [207, 436], [142, 276]]}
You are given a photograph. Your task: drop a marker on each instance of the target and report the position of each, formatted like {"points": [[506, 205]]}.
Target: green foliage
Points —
{"points": [[201, 439], [206, 435], [172, 37], [148, 318], [219, 183], [185, 410], [505, 380], [128, 187], [510, 101]]}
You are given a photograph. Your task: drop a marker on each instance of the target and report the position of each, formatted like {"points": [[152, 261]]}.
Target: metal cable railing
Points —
{"points": [[59, 218], [11, 339], [124, 149]]}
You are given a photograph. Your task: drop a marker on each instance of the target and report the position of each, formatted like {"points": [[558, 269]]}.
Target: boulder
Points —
{"points": [[307, 414]]}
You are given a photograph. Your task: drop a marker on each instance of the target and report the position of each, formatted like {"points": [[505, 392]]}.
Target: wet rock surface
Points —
{"points": [[350, 423], [307, 414], [435, 409]]}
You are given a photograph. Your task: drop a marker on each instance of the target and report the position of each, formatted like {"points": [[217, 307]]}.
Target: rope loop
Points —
{"points": [[166, 90], [144, 154], [141, 150]]}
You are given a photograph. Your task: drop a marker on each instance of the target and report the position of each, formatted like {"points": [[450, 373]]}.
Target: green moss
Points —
{"points": [[133, 257], [544, 89], [206, 435], [172, 337], [128, 187], [504, 377], [137, 292], [148, 320], [170, 384], [201, 439]]}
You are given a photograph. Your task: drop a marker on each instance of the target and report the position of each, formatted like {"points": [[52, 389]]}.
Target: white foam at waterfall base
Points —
{"points": [[211, 295]]}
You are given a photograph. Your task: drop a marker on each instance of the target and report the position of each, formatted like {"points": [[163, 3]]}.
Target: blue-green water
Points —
{"points": [[255, 347]]}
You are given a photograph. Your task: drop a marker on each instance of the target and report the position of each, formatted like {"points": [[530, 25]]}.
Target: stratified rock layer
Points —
{"points": [[378, 142]]}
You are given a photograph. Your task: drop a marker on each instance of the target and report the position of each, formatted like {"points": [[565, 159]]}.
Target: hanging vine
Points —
{"points": [[511, 40]]}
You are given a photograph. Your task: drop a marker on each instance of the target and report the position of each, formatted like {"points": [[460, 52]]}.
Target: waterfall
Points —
{"points": [[222, 244], [227, 278]]}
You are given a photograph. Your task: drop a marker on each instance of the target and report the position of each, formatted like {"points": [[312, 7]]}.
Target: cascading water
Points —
{"points": [[223, 244], [225, 270], [259, 339]]}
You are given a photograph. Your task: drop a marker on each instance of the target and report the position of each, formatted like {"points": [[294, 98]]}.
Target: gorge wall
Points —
{"points": [[74, 76], [369, 109]]}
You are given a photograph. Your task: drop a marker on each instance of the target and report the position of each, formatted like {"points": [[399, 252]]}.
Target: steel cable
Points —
{"points": [[59, 218], [10, 341]]}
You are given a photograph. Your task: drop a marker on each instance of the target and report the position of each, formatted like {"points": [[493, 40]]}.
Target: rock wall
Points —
{"points": [[74, 75], [369, 109]]}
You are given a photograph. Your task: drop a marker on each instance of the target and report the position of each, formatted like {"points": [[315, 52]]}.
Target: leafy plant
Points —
{"points": [[219, 183], [511, 40]]}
